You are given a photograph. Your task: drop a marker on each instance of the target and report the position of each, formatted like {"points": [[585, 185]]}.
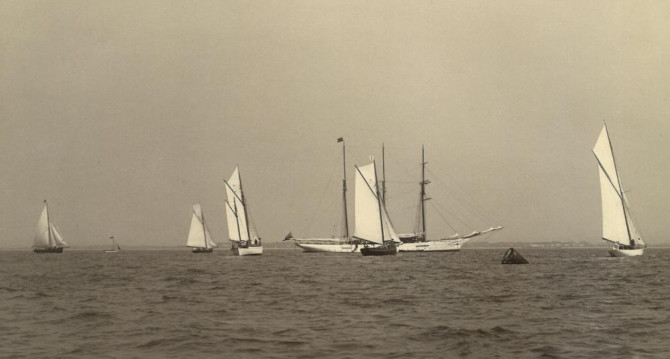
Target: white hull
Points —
{"points": [[615, 252], [250, 251], [447, 245], [111, 251], [331, 245], [333, 248]]}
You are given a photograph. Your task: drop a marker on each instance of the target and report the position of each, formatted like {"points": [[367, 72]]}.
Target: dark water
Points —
{"points": [[567, 303]]}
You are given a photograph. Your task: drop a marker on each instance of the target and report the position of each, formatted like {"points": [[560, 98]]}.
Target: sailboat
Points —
{"points": [[245, 240], [115, 246], [47, 239], [198, 234], [371, 219], [343, 244], [618, 226], [418, 242]]}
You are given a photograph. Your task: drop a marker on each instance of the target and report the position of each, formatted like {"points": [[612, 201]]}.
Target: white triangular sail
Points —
{"points": [[370, 217], [42, 236], [618, 226], [235, 211], [57, 237]]}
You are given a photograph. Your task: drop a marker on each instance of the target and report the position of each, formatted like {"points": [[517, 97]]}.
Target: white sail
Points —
{"points": [[57, 237], [232, 223], [370, 219], [42, 236], [208, 238], [235, 211], [198, 235], [618, 226]]}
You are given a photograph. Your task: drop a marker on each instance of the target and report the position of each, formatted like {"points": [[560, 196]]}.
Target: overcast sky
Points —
{"points": [[123, 114]]}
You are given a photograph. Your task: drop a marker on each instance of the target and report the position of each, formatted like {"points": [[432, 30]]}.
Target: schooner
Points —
{"points": [[418, 242]]}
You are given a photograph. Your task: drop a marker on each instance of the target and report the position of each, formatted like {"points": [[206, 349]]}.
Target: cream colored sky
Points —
{"points": [[124, 113]]}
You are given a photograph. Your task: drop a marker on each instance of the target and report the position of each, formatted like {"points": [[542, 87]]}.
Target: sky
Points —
{"points": [[123, 114]]}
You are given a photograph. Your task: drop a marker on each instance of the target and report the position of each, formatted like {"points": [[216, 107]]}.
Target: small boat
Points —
{"points": [[47, 239], [115, 246], [199, 238], [618, 225], [371, 219], [245, 240]]}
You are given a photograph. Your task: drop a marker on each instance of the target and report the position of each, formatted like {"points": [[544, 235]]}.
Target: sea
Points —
{"points": [[566, 303]]}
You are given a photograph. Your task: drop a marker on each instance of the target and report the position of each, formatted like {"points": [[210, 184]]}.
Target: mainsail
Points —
{"points": [[370, 217], [198, 235], [618, 226]]}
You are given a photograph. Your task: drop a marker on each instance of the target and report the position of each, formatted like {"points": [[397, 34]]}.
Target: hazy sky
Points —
{"points": [[125, 113]]}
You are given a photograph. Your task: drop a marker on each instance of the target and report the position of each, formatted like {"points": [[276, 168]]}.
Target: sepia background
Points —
{"points": [[123, 114]]}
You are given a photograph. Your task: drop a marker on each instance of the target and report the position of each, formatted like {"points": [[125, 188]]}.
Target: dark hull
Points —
{"points": [[48, 250], [202, 250], [513, 257], [379, 251]]}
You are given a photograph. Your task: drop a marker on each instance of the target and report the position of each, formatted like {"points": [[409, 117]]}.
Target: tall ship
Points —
{"points": [[373, 225], [618, 225], [199, 239], [418, 241], [342, 244], [47, 239], [246, 241]]}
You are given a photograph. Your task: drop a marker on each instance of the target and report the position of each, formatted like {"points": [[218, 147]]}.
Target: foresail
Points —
{"points": [[636, 237], [389, 230], [208, 239], [366, 206], [57, 237], [42, 233]]}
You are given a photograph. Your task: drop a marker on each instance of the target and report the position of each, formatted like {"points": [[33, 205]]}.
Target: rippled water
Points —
{"points": [[567, 303]]}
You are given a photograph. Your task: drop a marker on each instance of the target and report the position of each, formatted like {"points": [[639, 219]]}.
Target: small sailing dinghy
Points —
{"points": [[243, 235], [199, 238], [115, 246], [618, 225], [47, 239], [371, 219]]}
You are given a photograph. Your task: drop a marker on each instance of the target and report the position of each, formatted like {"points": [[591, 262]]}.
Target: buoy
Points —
{"points": [[513, 257]]}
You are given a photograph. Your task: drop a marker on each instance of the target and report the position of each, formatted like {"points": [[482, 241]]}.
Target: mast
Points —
{"points": [[244, 206], [383, 174], [237, 219], [618, 179], [379, 203], [423, 192], [46, 205], [344, 188], [204, 231]]}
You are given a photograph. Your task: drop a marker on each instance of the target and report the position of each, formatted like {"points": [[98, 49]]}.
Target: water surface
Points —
{"points": [[567, 303]]}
